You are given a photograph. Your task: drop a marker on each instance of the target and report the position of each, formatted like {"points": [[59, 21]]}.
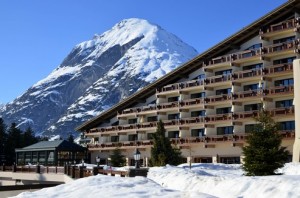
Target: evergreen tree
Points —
{"points": [[29, 138], [162, 152], [71, 138], [3, 141], [117, 159], [264, 153], [14, 140]]}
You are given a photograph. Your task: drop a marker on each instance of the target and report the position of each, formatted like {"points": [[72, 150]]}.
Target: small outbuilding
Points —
{"points": [[52, 153]]}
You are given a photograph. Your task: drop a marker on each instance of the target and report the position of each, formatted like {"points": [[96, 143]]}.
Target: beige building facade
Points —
{"points": [[207, 104]]}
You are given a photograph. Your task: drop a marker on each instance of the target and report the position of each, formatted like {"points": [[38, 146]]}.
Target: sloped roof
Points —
{"points": [[221, 48], [52, 145]]}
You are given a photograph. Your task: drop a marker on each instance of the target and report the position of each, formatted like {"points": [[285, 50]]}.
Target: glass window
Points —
{"points": [[149, 136], [284, 82], [249, 128], [198, 95], [284, 60], [252, 107], [152, 119], [174, 116], [198, 113], [255, 46], [224, 130], [197, 132], [251, 87], [114, 138], [132, 121], [132, 137], [282, 40], [288, 125], [284, 103], [223, 110], [223, 91], [173, 134], [253, 67], [223, 72], [173, 99]]}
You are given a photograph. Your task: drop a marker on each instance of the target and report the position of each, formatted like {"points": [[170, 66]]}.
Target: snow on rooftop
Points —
{"points": [[202, 181]]}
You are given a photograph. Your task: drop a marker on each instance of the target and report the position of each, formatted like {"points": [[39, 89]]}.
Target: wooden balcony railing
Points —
{"points": [[218, 98], [218, 60], [279, 90], [290, 24], [181, 86], [217, 79], [245, 115], [280, 47], [191, 102], [247, 94], [246, 74], [247, 54], [281, 111], [167, 105], [218, 117], [278, 69]]}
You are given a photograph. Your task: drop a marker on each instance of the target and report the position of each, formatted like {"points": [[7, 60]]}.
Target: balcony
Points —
{"points": [[221, 61], [184, 86], [245, 115], [279, 29], [167, 106], [247, 75], [192, 103], [278, 70], [279, 91], [121, 145], [218, 99], [146, 126], [247, 95], [280, 49], [218, 118], [282, 112], [247, 56], [220, 80]]}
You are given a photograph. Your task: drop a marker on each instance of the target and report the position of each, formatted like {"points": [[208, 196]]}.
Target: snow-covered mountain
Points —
{"points": [[97, 74]]}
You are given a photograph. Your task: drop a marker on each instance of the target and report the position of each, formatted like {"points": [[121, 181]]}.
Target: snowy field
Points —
{"points": [[202, 181]]}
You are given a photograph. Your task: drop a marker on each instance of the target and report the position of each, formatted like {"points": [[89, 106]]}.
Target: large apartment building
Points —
{"points": [[207, 104]]}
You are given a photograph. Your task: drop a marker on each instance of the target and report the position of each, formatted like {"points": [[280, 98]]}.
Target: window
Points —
{"points": [[253, 67], [152, 119], [149, 136], [153, 102], [197, 132], [223, 110], [284, 103], [282, 40], [255, 46], [173, 99], [284, 60], [174, 116], [201, 76], [173, 134], [284, 82], [230, 160], [197, 113], [223, 91], [132, 137], [224, 130], [223, 72], [251, 87], [114, 138], [249, 128], [115, 123], [288, 125], [252, 107], [198, 95]]}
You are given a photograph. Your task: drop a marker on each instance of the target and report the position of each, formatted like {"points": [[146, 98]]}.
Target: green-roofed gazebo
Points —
{"points": [[51, 153]]}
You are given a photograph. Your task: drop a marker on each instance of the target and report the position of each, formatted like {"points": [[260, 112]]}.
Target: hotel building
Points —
{"points": [[207, 104]]}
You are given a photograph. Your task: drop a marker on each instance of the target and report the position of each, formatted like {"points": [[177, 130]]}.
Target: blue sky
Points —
{"points": [[37, 35]]}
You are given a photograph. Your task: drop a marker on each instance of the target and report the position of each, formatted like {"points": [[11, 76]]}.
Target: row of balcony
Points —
{"points": [[240, 76], [289, 25], [271, 92], [188, 122], [182, 142], [253, 54]]}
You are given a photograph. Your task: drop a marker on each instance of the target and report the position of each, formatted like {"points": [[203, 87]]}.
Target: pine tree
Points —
{"points": [[117, 159], [29, 138], [71, 138], [3, 141], [162, 152], [14, 140], [264, 153]]}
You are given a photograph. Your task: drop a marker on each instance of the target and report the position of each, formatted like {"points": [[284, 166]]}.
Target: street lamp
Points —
{"points": [[97, 160], [137, 157]]}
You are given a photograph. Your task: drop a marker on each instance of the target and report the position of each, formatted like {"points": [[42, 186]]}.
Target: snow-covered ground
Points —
{"points": [[202, 180]]}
